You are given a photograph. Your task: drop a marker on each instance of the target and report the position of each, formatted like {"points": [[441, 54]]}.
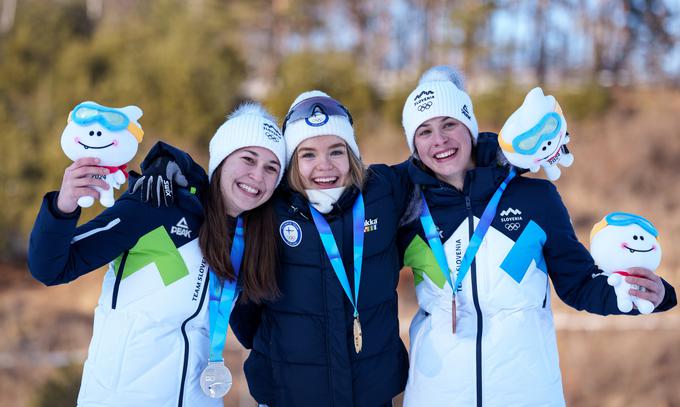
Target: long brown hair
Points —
{"points": [[357, 172], [258, 268]]}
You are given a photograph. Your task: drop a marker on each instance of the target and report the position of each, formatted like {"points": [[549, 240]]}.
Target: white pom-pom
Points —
{"points": [[443, 73], [251, 108]]}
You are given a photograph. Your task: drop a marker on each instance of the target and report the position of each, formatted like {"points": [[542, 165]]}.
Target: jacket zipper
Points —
{"points": [[475, 299], [324, 261], [185, 365], [294, 210], [119, 277]]}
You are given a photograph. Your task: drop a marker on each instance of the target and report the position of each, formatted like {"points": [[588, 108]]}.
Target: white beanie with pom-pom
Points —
{"points": [[440, 92], [249, 125]]}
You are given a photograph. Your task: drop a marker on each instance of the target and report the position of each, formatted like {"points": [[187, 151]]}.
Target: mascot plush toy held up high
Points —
{"points": [[110, 134], [535, 135], [621, 241]]}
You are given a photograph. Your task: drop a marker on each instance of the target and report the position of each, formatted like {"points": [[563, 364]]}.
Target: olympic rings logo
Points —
{"points": [[512, 226], [424, 106]]}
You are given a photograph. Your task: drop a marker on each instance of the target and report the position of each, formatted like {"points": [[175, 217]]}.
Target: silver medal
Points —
{"points": [[216, 380]]}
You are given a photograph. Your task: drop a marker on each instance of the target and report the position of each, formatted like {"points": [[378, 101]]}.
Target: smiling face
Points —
{"points": [[114, 148], [548, 149], [248, 178], [444, 145], [621, 247], [323, 162], [546, 153]]}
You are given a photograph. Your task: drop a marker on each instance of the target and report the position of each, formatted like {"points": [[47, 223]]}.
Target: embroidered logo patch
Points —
{"points": [[271, 132], [511, 219], [290, 233], [181, 229], [423, 100], [370, 225], [465, 112], [318, 118]]}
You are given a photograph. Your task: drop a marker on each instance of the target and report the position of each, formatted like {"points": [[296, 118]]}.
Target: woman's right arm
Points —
{"points": [[60, 252]]}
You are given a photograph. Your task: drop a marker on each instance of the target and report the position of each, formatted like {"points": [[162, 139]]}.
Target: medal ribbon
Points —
{"points": [[331, 248], [475, 241], [222, 297]]}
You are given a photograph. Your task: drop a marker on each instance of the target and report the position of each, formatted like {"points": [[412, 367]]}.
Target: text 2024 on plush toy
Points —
{"points": [[110, 134]]}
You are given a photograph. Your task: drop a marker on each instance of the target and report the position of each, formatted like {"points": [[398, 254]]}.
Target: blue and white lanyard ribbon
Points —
{"points": [[222, 296], [331, 248], [475, 241]]}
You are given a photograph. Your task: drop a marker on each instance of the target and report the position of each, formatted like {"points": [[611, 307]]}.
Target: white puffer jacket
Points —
{"points": [[504, 351]]}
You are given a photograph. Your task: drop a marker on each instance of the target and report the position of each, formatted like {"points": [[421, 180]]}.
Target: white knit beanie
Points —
{"points": [[300, 130], [440, 92], [249, 125]]}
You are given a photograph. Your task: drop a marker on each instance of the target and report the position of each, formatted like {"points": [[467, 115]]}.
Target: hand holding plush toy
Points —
{"points": [[621, 241], [109, 134], [535, 135]]}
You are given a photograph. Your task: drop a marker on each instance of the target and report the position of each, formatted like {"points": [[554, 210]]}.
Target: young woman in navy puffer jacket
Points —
{"points": [[306, 346]]}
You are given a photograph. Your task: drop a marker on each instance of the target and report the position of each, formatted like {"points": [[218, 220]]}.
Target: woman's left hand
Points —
{"points": [[651, 287]]}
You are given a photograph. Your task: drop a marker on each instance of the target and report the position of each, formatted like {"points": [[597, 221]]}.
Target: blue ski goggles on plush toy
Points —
{"points": [[625, 219], [531, 140], [316, 111], [87, 113]]}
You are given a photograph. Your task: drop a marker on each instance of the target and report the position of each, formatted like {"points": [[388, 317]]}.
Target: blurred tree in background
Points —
{"points": [[334, 73], [188, 63], [180, 67]]}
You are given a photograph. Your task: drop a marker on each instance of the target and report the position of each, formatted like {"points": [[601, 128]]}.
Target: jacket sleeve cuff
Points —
{"points": [[669, 300], [51, 200]]}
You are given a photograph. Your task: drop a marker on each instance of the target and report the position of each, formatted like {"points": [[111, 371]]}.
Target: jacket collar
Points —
{"points": [[300, 202]]}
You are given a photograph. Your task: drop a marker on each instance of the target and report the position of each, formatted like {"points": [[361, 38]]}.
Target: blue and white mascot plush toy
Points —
{"points": [[110, 134], [535, 135], [620, 241]]}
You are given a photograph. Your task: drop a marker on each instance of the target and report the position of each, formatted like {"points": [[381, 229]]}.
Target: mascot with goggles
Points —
{"points": [[621, 241], [535, 135], [110, 134]]}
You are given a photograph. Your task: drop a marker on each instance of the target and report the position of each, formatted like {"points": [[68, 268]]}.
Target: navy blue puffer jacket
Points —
{"points": [[302, 344]]}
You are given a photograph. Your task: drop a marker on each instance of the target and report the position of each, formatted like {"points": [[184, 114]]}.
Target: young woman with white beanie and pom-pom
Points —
{"points": [[500, 237], [157, 324]]}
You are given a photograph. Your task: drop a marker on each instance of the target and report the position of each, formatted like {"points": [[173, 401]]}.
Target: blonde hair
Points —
{"points": [[357, 172]]}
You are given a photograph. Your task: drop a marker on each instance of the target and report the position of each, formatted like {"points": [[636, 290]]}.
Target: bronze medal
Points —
{"points": [[453, 315], [358, 340]]}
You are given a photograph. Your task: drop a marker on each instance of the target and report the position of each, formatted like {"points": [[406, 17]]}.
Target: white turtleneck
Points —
{"points": [[323, 199]]}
